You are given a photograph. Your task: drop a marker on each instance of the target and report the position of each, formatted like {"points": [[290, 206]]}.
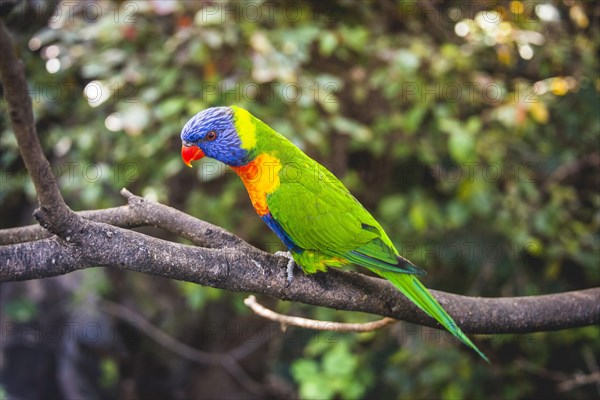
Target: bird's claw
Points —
{"points": [[289, 270]]}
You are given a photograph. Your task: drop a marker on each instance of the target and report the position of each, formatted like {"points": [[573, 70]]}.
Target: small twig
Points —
{"points": [[579, 380], [288, 320]]}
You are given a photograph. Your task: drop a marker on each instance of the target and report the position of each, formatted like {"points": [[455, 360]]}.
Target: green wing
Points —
{"points": [[318, 213]]}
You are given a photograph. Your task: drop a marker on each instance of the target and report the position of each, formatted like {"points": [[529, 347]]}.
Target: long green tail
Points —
{"points": [[410, 286]]}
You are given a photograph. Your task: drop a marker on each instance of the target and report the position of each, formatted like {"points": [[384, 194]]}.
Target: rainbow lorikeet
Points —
{"points": [[309, 209]]}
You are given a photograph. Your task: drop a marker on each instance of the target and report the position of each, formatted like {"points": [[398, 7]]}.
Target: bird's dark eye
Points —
{"points": [[212, 135]]}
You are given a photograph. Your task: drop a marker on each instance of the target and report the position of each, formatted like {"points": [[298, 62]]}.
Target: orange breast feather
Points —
{"points": [[261, 177]]}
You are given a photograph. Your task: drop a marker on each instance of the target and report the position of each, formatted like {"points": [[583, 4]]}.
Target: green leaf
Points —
{"points": [[327, 43], [461, 146], [414, 118]]}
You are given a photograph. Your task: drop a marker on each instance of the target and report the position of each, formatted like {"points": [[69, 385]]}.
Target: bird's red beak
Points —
{"points": [[191, 153]]}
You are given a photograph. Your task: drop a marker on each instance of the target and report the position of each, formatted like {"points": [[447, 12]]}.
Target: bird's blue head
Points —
{"points": [[214, 133]]}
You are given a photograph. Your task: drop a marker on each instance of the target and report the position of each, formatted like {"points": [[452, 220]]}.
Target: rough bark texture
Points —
{"points": [[66, 241]]}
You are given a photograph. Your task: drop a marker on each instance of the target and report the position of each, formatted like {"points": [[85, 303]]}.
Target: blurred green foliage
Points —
{"points": [[21, 310], [339, 372], [471, 131], [109, 372]]}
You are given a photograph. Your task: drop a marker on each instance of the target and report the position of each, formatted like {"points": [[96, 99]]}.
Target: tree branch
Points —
{"points": [[20, 111], [250, 270], [226, 261]]}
